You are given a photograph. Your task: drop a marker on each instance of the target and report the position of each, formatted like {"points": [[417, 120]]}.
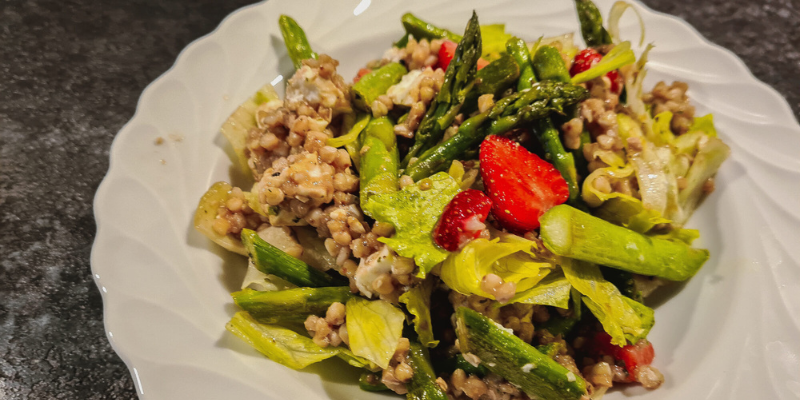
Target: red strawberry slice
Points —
{"points": [[446, 53], [588, 58], [521, 185], [462, 219]]}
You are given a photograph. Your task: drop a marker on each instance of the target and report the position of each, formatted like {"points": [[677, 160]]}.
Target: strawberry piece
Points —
{"points": [[521, 185], [446, 53], [361, 73], [588, 58], [462, 219], [584, 60], [632, 355]]}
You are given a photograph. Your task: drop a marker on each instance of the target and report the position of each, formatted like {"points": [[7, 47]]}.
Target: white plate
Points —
{"points": [[733, 332]]}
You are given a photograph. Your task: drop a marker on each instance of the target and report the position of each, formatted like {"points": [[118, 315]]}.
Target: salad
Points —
{"points": [[473, 216]]}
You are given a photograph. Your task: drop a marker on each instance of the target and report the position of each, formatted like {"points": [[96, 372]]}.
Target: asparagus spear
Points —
{"points": [[378, 159], [506, 355], [424, 30], [572, 233], [422, 385], [517, 48], [376, 83], [458, 80], [533, 104], [271, 260], [495, 78], [296, 42], [548, 65], [291, 304], [591, 24]]}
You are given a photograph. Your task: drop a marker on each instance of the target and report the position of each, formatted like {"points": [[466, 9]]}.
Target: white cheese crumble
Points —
{"points": [[528, 367], [472, 359], [570, 377], [509, 330]]}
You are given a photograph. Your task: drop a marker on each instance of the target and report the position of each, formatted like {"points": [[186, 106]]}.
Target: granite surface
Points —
{"points": [[71, 72]]}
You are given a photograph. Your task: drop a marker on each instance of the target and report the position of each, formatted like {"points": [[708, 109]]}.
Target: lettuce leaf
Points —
{"points": [[206, 213], [616, 207], [662, 133], [509, 257], [622, 318], [418, 303], [620, 56], [375, 328], [236, 127], [279, 344], [494, 38], [708, 160], [552, 290], [414, 213], [704, 124]]}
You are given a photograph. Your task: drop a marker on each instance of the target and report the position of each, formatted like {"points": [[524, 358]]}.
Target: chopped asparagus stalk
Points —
{"points": [[506, 355], [507, 114], [422, 385], [549, 65], [290, 305], [517, 48], [569, 232], [279, 344], [376, 83], [379, 158], [271, 260], [591, 24], [296, 42], [458, 80], [424, 30]]}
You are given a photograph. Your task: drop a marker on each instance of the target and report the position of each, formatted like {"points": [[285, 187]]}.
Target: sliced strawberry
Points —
{"points": [[588, 58], [446, 53], [521, 185], [361, 73], [632, 355], [584, 60], [462, 219]]}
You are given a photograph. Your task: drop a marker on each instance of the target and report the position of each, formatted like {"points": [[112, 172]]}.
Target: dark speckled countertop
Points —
{"points": [[71, 72]]}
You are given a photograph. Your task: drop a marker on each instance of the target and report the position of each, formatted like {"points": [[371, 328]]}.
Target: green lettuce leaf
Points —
{"points": [[206, 214], [616, 207], [620, 317], [662, 133], [279, 344], [620, 56], [552, 290], [494, 38], [708, 160], [704, 124], [509, 257], [414, 213], [418, 303], [375, 328]]}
